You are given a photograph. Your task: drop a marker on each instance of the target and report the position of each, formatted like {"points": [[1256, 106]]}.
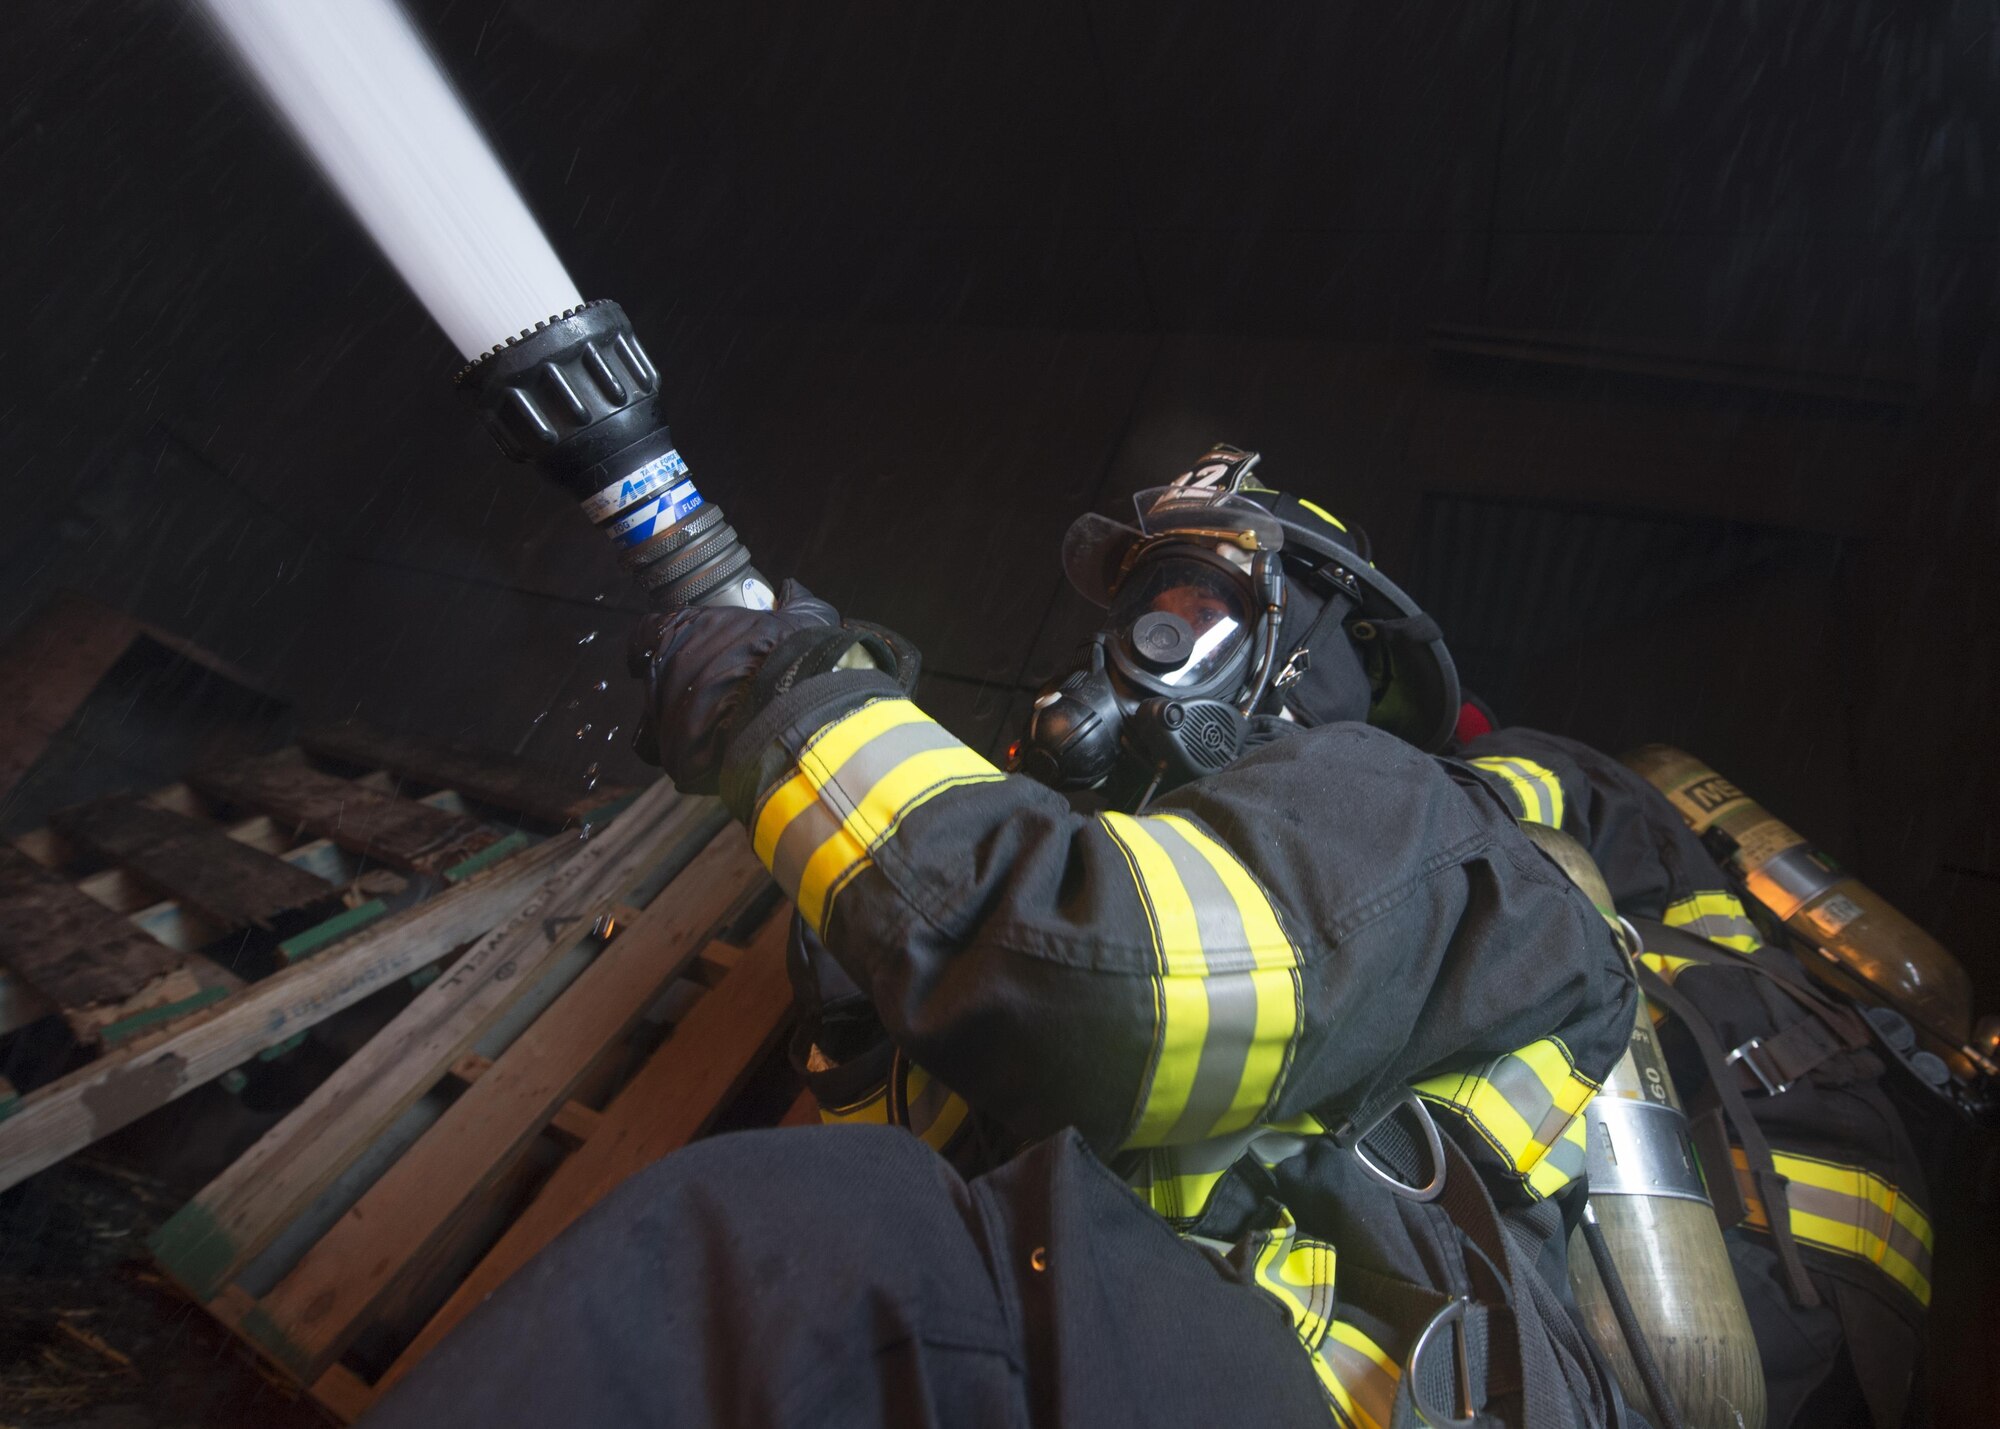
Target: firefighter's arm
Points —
{"points": [[1333, 915], [1653, 865]]}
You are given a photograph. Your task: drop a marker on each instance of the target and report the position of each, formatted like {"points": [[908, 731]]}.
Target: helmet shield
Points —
{"points": [[1097, 550], [1183, 622]]}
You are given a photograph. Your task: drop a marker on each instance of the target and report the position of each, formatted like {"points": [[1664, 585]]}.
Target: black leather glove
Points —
{"points": [[701, 667]]}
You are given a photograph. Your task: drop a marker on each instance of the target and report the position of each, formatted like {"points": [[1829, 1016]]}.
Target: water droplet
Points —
{"points": [[588, 638], [612, 733], [573, 704], [597, 599], [538, 718], [601, 686], [585, 832], [585, 730]]}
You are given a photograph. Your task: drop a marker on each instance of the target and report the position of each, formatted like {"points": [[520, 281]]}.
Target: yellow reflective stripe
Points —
{"points": [[1849, 1211], [828, 871], [856, 781], [1364, 1377], [1522, 1105], [1226, 988], [1716, 916], [1356, 1373], [1180, 1006], [1565, 1162], [1323, 514], [874, 1111], [1183, 1196], [936, 1111], [1277, 1017], [1667, 965], [1535, 787]]}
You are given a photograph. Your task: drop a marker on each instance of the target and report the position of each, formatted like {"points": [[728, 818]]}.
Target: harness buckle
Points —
{"points": [[1748, 1057], [1451, 1313], [1433, 1146]]}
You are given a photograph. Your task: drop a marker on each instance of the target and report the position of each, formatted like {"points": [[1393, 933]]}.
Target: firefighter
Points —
{"points": [[1275, 1036]]}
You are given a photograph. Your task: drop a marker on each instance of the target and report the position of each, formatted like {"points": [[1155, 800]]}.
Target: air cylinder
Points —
{"points": [[1813, 896]]}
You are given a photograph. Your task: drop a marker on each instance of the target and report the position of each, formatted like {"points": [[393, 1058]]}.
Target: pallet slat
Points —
{"points": [[70, 1113], [244, 1208], [668, 1103], [97, 967], [234, 884], [403, 833], [495, 779], [309, 1319]]}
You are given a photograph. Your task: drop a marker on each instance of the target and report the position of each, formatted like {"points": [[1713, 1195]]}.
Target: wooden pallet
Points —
{"points": [[178, 934], [562, 1052]]}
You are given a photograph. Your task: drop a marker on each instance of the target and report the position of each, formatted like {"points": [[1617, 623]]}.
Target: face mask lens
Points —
{"points": [[1182, 619]]}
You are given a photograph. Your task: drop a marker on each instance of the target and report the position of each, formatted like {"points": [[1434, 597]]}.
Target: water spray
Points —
{"points": [[561, 384]]}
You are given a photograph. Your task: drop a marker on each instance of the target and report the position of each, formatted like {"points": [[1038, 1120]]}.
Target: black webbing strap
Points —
{"points": [[1750, 1136], [1829, 1030]]}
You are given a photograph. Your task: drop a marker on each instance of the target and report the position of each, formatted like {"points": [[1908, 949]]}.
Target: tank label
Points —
{"points": [[1705, 800], [655, 516], [636, 485], [1834, 914]]}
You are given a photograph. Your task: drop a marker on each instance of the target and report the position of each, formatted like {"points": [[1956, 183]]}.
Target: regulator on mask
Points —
{"points": [[1220, 598]]}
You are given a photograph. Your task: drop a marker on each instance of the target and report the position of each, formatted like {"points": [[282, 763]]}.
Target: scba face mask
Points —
{"points": [[1205, 592]]}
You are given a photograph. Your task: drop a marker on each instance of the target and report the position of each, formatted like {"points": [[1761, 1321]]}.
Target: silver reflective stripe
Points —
{"points": [[1231, 994]]}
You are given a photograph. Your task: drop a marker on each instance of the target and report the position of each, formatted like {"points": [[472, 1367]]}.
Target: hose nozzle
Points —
{"points": [[577, 398]]}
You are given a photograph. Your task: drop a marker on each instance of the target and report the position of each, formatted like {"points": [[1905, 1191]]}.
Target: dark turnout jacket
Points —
{"points": [[1221, 994]]}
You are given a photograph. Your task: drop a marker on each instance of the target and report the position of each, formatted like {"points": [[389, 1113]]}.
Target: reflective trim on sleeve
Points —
{"points": [[1226, 984], [1849, 1211], [936, 1111], [1716, 916], [1536, 790], [1358, 1376], [1522, 1105], [856, 781]]}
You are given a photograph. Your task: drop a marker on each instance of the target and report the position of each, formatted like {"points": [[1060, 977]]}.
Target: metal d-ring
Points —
{"points": [[1451, 1313], [1634, 944], [1433, 1143]]}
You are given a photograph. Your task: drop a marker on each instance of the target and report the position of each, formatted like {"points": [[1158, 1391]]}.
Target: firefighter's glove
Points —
{"points": [[708, 669]]}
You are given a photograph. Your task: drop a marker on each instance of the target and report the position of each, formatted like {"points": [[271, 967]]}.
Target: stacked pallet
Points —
{"points": [[598, 1029], [129, 917], [600, 985]]}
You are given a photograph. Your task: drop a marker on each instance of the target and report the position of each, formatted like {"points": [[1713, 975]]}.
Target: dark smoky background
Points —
{"points": [[1654, 345]]}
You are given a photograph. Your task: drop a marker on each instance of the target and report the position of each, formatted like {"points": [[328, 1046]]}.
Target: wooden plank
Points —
{"points": [[669, 1103], [234, 884], [48, 669], [243, 1209], [496, 779], [573, 1122], [96, 967], [65, 1116], [400, 832], [343, 1394], [312, 1315]]}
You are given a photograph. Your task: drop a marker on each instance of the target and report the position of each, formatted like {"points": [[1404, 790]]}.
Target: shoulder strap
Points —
{"points": [[1749, 1135]]}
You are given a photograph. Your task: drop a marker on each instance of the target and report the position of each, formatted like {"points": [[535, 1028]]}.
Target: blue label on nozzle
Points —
{"points": [[655, 516], [636, 485]]}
